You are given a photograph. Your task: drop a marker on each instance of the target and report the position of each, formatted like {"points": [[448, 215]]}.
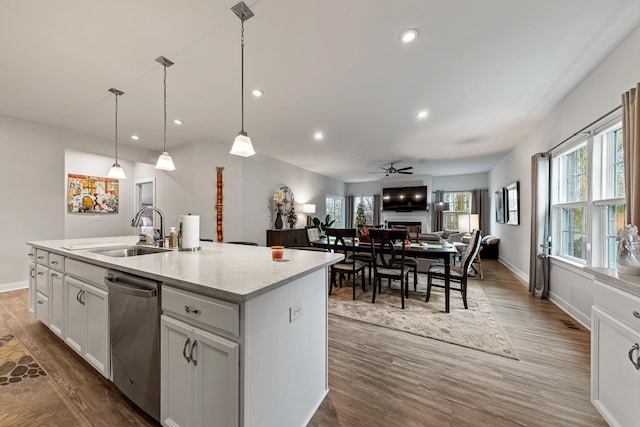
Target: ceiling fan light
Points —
{"points": [[116, 172], [165, 162], [242, 146]]}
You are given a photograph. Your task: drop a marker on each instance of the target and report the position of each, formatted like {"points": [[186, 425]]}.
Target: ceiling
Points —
{"points": [[487, 72]]}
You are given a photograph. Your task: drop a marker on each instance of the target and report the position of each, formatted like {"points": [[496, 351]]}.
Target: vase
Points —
{"points": [[278, 223]]}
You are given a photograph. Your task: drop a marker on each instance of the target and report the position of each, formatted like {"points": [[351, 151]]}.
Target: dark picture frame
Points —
{"points": [[499, 202], [512, 201]]}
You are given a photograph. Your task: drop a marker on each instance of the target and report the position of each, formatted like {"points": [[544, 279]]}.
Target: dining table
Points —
{"points": [[438, 250]]}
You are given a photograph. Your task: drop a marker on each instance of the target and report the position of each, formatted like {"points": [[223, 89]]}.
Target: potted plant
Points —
{"points": [[328, 222]]}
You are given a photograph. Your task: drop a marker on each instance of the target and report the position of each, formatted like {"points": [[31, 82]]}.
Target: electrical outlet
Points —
{"points": [[295, 311]]}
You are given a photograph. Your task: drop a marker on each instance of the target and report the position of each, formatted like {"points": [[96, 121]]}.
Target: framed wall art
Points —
{"points": [[512, 197], [92, 194], [499, 202]]}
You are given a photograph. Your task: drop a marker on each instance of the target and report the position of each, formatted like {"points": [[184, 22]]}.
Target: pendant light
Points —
{"points": [[165, 162], [116, 171], [242, 144]]}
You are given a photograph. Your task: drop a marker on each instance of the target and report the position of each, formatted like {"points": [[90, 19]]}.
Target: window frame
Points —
{"points": [[600, 177]]}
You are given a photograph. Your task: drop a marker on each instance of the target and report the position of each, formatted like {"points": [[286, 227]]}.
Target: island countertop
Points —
{"points": [[231, 272], [624, 282]]}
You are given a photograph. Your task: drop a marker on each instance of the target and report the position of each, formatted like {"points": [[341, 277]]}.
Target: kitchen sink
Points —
{"points": [[130, 251]]}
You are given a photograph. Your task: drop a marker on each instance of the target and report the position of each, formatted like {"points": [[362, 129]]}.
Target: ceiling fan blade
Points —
{"points": [[405, 168], [406, 173]]}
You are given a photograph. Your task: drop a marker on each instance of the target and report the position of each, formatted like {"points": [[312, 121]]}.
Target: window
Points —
{"points": [[335, 209], [609, 202], [458, 214], [588, 202], [367, 202], [571, 201]]}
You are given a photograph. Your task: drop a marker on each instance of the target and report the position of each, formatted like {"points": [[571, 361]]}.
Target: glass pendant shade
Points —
{"points": [[165, 162], [116, 172], [242, 146]]}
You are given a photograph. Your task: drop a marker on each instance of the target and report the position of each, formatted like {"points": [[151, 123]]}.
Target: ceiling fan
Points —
{"points": [[391, 170]]}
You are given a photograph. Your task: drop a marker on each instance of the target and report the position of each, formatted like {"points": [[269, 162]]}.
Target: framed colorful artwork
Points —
{"points": [[92, 194]]}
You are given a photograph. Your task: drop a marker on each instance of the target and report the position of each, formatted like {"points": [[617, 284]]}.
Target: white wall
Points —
{"points": [[262, 175], [466, 182], [33, 191], [78, 225], [596, 95]]}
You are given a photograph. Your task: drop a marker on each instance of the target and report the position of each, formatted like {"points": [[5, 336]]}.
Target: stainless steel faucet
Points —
{"points": [[136, 222]]}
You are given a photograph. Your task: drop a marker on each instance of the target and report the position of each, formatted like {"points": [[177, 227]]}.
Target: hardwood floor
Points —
{"points": [[382, 377]]}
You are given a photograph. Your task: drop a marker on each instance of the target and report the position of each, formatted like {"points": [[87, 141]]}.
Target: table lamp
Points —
{"points": [[308, 208]]}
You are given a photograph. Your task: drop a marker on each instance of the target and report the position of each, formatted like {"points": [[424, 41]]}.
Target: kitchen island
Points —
{"points": [[244, 339]]}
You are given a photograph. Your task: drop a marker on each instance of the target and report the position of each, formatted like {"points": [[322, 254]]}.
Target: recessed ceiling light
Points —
{"points": [[178, 122], [409, 35], [135, 137], [257, 93], [422, 114], [318, 136]]}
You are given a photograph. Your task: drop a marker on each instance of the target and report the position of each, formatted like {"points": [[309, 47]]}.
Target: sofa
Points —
{"points": [[490, 247]]}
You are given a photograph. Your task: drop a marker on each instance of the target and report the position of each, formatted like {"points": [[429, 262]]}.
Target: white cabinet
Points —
{"points": [[87, 322], [200, 369], [615, 355], [32, 287], [56, 289]]}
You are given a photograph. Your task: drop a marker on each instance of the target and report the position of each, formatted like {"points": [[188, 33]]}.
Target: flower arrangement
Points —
{"points": [[292, 218], [279, 199]]}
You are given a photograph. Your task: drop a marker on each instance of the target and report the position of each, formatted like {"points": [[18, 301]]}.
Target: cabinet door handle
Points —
{"points": [[636, 314], [40, 257], [40, 273], [635, 363], [191, 310], [33, 270], [184, 350], [79, 296], [54, 275], [31, 255], [193, 359], [82, 294], [40, 302], [54, 262]]}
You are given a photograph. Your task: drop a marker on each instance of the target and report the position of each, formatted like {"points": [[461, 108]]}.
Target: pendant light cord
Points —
{"points": [[116, 128], [242, 74], [164, 146]]}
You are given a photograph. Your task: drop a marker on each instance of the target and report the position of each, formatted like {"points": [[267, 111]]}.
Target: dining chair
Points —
{"points": [[458, 273], [389, 260], [348, 266]]}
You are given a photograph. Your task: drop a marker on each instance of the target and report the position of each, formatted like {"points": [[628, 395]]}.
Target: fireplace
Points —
{"points": [[393, 224]]}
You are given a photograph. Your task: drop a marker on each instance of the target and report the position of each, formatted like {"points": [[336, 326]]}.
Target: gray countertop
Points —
{"points": [[231, 272], [624, 282]]}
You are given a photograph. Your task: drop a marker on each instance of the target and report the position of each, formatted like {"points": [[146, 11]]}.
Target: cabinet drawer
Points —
{"points": [[42, 279], [56, 262], [42, 308], [622, 304], [212, 314], [31, 253], [87, 272], [42, 257]]}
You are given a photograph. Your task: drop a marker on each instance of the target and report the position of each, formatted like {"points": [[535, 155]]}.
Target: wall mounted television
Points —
{"points": [[405, 199]]}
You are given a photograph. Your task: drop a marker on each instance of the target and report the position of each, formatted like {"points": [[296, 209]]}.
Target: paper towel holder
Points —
{"points": [[180, 248]]}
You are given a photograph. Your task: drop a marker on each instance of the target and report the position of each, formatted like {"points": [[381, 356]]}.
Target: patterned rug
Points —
{"points": [[477, 328], [26, 394]]}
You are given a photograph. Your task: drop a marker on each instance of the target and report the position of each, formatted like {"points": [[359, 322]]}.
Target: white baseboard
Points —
{"points": [[14, 286], [579, 317], [514, 270]]}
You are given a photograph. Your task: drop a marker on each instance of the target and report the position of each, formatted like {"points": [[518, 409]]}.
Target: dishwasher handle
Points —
{"points": [[131, 285]]}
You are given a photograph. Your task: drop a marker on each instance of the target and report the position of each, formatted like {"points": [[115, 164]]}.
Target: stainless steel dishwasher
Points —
{"points": [[134, 309]]}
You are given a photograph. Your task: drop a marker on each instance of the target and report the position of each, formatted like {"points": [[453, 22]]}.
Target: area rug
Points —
{"points": [[26, 394], [477, 328]]}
